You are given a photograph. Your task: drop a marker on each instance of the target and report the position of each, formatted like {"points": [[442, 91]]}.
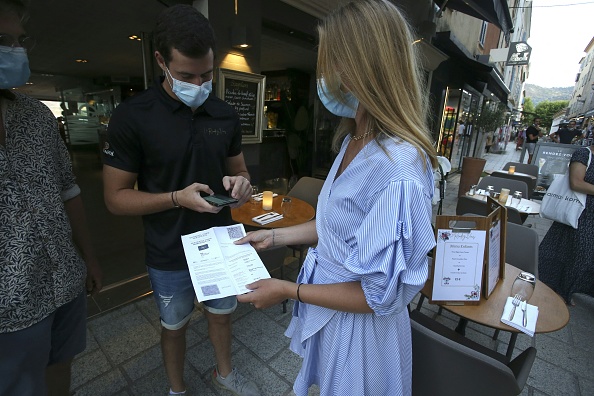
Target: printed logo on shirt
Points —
{"points": [[215, 131], [107, 151]]}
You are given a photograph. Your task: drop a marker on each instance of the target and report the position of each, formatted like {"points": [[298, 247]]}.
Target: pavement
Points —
{"points": [[123, 355]]}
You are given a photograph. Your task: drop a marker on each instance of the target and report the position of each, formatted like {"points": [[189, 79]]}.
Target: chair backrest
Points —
{"points": [[274, 258], [307, 189], [529, 169], [521, 248], [467, 205], [513, 216], [439, 357], [470, 205], [499, 182]]}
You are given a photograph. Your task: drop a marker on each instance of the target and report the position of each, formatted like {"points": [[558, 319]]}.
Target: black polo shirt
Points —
{"points": [[566, 135], [169, 147], [532, 134]]}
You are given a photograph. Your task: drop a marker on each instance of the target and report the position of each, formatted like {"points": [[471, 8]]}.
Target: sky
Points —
{"points": [[558, 37]]}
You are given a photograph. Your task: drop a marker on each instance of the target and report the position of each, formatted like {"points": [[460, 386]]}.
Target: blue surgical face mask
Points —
{"points": [[335, 106], [191, 95], [14, 68]]}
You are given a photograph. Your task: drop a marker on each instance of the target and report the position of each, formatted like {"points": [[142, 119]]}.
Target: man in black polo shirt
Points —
{"points": [[567, 135], [177, 142], [532, 134]]}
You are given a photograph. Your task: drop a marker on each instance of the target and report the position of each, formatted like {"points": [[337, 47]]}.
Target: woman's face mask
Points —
{"points": [[191, 95], [14, 68], [334, 106]]}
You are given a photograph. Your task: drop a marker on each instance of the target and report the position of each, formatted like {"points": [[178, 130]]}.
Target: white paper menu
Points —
{"points": [[494, 257], [218, 267], [458, 265]]}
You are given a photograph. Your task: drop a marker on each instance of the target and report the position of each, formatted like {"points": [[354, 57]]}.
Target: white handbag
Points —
{"points": [[561, 203]]}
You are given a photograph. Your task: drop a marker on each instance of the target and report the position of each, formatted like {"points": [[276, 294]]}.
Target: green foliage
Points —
{"points": [[545, 110], [528, 112], [492, 117]]}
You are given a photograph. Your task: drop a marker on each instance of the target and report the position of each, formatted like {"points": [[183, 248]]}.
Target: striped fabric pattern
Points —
{"points": [[374, 225]]}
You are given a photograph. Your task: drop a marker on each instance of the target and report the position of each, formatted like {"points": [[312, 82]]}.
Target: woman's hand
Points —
{"points": [[260, 240], [268, 292]]}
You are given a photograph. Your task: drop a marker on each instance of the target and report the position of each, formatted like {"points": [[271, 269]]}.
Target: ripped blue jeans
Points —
{"points": [[174, 294]]}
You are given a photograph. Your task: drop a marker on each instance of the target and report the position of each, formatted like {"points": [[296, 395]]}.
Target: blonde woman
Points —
{"points": [[373, 225]]}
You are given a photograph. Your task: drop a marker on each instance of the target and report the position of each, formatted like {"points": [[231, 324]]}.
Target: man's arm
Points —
{"points": [[82, 239], [122, 199]]}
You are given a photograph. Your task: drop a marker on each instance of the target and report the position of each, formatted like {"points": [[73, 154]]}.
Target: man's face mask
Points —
{"points": [[191, 95], [336, 107], [14, 67]]}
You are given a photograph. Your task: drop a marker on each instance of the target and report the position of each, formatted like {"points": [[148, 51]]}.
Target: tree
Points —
{"points": [[528, 112], [492, 117], [545, 111]]}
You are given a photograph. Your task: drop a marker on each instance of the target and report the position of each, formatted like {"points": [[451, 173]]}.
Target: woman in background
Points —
{"points": [[566, 255], [373, 225]]}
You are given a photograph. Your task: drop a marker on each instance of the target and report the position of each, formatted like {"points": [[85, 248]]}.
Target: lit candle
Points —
{"points": [[511, 170], [267, 200]]}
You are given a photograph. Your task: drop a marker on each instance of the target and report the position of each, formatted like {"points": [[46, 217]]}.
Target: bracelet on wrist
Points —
{"points": [[174, 200], [298, 297]]}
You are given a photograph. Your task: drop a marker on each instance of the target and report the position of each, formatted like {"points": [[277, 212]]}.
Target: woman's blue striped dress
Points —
{"points": [[374, 226]]}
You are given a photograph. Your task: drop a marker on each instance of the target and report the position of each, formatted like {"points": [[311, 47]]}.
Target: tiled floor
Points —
{"points": [[123, 355]]}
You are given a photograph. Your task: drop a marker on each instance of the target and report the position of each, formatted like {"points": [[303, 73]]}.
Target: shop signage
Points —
{"points": [[519, 53]]}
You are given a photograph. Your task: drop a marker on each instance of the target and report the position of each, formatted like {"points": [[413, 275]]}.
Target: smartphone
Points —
{"points": [[219, 200]]}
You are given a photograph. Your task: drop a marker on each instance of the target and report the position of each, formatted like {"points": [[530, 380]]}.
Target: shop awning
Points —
{"points": [[493, 11], [481, 76]]}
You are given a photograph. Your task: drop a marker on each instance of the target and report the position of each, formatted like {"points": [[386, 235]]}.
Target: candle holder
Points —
{"points": [[267, 200]]}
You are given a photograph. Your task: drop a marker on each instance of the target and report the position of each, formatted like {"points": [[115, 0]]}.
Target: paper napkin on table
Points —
{"points": [[267, 218], [516, 322], [258, 197]]}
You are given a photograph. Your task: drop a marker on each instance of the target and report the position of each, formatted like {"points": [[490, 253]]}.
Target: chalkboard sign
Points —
{"points": [[245, 92]]}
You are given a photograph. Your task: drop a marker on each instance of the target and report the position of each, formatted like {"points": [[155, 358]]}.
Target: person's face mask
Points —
{"points": [[14, 68], [334, 106], [191, 95]]}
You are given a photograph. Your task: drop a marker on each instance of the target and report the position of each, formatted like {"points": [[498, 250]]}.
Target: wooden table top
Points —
{"points": [[553, 314], [526, 206], [300, 212]]}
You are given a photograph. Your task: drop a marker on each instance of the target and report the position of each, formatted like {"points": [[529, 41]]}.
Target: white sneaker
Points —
{"points": [[236, 383]]}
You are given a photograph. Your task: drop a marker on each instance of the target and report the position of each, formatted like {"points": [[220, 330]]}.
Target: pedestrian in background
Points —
{"points": [[533, 132], [566, 254]]}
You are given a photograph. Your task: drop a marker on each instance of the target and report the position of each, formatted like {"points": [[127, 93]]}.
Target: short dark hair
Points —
{"points": [[14, 6], [184, 28]]}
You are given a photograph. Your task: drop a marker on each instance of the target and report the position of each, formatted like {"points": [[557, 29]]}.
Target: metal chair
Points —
{"points": [[274, 258], [306, 189], [467, 205], [521, 250], [440, 355], [528, 169]]}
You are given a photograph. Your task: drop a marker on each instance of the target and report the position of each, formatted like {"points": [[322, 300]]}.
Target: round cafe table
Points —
{"points": [[552, 310], [300, 212]]}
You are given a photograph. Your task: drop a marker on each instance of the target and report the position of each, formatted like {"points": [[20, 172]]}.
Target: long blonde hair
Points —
{"points": [[367, 46]]}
